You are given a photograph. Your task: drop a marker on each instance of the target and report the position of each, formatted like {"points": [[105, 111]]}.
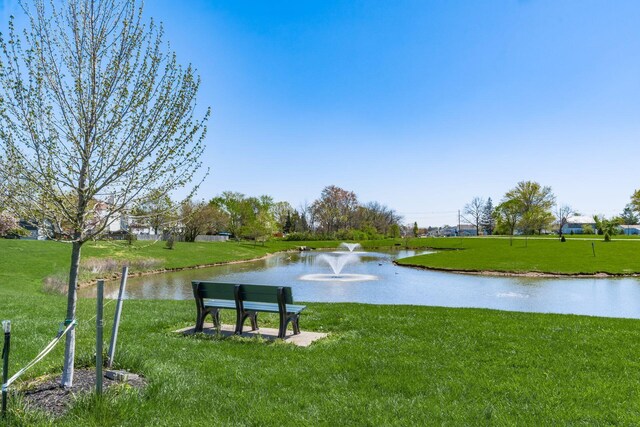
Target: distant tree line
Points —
{"points": [[530, 208], [336, 214]]}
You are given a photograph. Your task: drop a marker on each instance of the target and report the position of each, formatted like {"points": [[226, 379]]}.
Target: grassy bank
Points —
{"points": [[18, 272], [575, 256], [381, 365]]}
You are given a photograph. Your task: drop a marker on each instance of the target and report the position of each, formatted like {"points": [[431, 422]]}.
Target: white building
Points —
{"points": [[576, 223]]}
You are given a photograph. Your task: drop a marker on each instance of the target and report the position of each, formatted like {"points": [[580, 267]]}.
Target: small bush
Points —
{"points": [[562, 239], [300, 236], [131, 238], [170, 242], [56, 284]]}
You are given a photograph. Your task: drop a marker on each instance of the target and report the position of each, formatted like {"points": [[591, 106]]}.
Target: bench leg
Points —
{"points": [[282, 331], [241, 317], [200, 321], [294, 323], [216, 320], [239, 321], [254, 320]]}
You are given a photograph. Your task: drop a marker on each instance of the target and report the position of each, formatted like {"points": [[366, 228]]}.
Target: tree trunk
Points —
{"points": [[72, 298]]}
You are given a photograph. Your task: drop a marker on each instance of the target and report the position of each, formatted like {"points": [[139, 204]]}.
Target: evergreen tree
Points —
{"points": [[628, 216], [288, 224], [488, 222]]}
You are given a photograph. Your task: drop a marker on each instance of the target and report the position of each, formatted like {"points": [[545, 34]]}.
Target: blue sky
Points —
{"points": [[420, 105]]}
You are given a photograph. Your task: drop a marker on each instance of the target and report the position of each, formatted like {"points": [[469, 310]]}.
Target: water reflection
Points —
{"points": [[614, 297]]}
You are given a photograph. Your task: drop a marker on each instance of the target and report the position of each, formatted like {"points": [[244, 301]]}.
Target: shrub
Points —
{"points": [[170, 242], [562, 239], [56, 284], [131, 238]]}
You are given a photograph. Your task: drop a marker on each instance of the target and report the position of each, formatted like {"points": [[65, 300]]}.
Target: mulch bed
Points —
{"points": [[49, 397]]}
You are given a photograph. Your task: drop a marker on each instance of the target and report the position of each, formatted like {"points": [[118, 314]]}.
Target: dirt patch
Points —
{"points": [[47, 395]]}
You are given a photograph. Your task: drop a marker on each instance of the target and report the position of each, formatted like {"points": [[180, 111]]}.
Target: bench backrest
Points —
{"points": [[265, 293], [257, 293], [213, 290]]}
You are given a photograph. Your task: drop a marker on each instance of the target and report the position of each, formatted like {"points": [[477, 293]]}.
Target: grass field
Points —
{"points": [[381, 365], [575, 256]]}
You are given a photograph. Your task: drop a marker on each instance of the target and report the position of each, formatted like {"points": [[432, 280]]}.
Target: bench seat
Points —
{"points": [[220, 303], [272, 308]]}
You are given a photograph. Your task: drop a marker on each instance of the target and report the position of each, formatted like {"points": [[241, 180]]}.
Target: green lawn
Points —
{"points": [[381, 365], [575, 256]]}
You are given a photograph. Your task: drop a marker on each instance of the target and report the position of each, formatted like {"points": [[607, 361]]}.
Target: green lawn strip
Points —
{"points": [[381, 365], [532, 255]]}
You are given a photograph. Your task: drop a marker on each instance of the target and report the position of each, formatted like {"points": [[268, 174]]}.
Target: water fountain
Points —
{"points": [[350, 246], [337, 261]]}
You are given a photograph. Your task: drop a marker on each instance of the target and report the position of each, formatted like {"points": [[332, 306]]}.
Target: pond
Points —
{"points": [[382, 282]]}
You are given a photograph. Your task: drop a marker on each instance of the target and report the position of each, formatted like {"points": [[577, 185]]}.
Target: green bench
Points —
{"points": [[247, 301]]}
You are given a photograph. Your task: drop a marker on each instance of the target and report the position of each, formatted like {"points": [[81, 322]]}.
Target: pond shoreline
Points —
{"points": [[487, 273], [116, 276], [498, 273]]}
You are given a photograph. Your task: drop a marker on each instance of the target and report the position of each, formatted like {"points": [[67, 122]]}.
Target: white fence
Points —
{"points": [[206, 238], [179, 238]]}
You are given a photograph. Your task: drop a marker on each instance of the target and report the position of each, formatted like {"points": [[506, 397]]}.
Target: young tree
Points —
{"points": [[534, 204], [416, 230], [93, 107], [258, 220], [608, 227], [157, 211], [508, 215], [199, 218], [236, 207], [562, 213], [474, 210]]}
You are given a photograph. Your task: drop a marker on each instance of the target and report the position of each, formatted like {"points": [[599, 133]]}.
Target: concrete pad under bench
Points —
{"points": [[303, 339]]}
